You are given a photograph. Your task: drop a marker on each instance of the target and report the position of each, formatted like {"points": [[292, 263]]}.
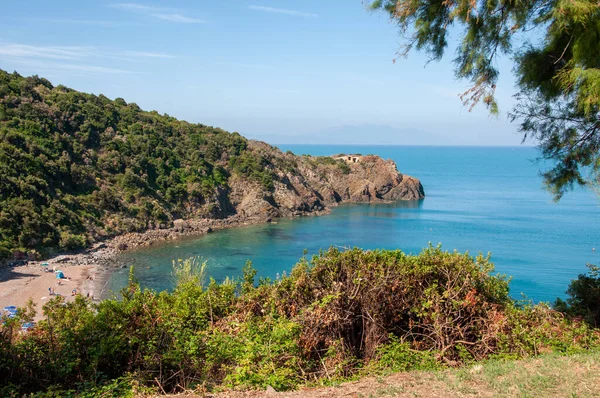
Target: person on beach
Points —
{"points": [[49, 291]]}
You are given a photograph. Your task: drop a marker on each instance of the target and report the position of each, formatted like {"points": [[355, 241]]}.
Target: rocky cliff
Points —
{"points": [[305, 184]]}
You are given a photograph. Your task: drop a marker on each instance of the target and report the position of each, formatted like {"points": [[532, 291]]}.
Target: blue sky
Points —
{"points": [[262, 68]]}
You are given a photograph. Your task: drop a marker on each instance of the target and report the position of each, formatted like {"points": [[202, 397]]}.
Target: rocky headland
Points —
{"points": [[305, 184], [311, 188]]}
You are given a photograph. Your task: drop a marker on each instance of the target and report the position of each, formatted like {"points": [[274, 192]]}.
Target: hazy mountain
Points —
{"points": [[364, 134]]}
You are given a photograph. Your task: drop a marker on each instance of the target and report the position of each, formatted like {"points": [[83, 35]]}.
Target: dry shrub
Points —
{"points": [[349, 303], [435, 300]]}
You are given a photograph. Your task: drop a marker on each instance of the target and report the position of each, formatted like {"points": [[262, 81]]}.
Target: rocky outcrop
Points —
{"points": [[305, 184], [374, 180]]}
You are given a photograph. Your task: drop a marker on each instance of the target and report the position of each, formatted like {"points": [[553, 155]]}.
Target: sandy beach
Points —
{"points": [[89, 269], [19, 284]]}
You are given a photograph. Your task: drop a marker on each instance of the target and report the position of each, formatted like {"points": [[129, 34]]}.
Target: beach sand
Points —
{"points": [[18, 284]]}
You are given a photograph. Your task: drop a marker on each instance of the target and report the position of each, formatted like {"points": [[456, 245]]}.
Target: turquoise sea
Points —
{"points": [[480, 199]]}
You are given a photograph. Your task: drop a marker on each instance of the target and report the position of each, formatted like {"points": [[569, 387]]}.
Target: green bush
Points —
{"points": [[342, 314], [70, 241], [5, 252], [344, 167], [398, 356], [253, 167], [263, 353], [584, 300]]}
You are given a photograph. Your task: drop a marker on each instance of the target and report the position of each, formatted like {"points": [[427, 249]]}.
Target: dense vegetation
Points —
{"points": [[554, 46], [584, 297], [77, 167], [339, 315]]}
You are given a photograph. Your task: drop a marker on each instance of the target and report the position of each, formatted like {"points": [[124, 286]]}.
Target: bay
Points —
{"points": [[478, 199]]}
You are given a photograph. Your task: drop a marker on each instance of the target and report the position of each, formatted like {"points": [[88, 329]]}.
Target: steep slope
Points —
{"points": [[76, 168]]}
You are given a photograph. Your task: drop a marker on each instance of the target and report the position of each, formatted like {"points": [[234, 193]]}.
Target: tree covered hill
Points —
{"points": [[76, 167], [73, 163]]}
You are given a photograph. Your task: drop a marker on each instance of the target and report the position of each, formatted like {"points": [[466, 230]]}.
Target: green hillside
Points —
{"points": [[76, 167]]}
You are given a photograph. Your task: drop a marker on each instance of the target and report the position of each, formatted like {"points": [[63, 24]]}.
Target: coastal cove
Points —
{"points": [[477, 199], [254, 199]]}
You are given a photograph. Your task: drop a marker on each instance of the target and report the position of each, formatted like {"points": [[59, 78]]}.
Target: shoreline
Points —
{"points": [[183, 229], [309, 188], [90, 269]]}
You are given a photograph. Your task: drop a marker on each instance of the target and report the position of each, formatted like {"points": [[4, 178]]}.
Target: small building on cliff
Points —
{"points": [[349, 158]]}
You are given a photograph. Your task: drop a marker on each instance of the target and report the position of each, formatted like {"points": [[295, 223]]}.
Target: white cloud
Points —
{"points": [[25, 51], [89, 68], [68, 67], [81, 60], [283, 11], [178, 18], [166, 14], [49, 52], [136, 7], [144, 54]]}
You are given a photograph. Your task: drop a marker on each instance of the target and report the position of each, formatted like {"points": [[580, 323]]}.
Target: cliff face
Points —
{"points": [[304, 184]]}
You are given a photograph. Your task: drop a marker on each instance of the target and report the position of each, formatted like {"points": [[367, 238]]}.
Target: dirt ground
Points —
{"points": [[548, 376]]}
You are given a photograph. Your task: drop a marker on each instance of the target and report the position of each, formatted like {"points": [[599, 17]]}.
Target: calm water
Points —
{"points": [[477, 199]]}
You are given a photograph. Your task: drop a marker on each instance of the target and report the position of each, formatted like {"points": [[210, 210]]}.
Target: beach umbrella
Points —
{"points": [[12, 311], [27, 326], [59, 275], [44, 264]]}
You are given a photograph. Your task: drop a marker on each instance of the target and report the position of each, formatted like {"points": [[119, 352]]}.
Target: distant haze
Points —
{"points": [[369, 134], [366, 134]]}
